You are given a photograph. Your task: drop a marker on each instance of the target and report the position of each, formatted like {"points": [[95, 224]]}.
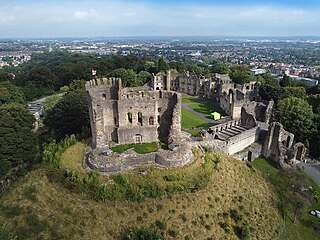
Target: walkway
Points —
{"points": [[312, 170]]}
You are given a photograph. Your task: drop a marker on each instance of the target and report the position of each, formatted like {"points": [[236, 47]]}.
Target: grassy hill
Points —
{"points": [[238, 202]]}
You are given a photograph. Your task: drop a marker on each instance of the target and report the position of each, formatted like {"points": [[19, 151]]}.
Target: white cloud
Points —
{"points": [[85, 14], [120, 18]]}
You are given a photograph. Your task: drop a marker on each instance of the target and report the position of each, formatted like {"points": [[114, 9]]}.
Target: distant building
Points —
{"points": [[258, 71]]}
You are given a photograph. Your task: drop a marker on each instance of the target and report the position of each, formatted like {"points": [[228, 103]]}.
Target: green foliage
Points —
{"points": [[4, 76], [296, 116], [162, 65], [53, 151], [270, 80], [50, 102], [314, 101], [6, 234], [9, 93], [293, 201], [145, 233], [42, 76], [221, 68], [241, 74], [133, 189], [128, 76], [70, 115], [18, 142]]}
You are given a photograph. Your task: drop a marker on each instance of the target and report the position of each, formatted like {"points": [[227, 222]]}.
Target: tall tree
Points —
{"points": [[17, 141], [296, 116], [70, 115]]}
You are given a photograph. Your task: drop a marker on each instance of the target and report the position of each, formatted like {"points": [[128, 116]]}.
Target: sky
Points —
{"points": [[117, 18]]}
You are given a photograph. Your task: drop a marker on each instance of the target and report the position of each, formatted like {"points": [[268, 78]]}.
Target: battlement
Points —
{"points": [[108, 82]]}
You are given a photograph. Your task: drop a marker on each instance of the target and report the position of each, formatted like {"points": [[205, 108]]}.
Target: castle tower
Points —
{"points": [[103, 97]]}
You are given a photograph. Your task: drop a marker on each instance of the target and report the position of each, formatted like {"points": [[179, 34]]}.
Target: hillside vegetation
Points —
{"points": [[238, 202]]}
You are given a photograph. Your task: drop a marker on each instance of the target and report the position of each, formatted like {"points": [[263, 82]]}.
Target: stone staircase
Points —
{"points": [[230, 132]]}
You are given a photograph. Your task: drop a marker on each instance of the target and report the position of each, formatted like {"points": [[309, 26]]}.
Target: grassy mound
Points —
{"points": [[238, 202]]}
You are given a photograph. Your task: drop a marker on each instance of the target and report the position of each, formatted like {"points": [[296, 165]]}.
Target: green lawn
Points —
{"points": [[302, 229], [138, 148], [204, 108], [191, 99], [189, 120]]}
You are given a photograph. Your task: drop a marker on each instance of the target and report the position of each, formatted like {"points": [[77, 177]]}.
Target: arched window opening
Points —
{"points": [[130, 117], [104, 97], [140, 118], [160, 94], [151, 121]]}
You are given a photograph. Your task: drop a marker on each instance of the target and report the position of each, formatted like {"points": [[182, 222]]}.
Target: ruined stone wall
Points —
{"points": [[137, 116], [241, 141]]}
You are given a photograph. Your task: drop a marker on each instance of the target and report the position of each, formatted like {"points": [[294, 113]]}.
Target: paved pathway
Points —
{"points": [[312, 170]]}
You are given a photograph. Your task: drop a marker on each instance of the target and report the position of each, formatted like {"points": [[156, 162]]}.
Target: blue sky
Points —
{"points": [[84, 18]]}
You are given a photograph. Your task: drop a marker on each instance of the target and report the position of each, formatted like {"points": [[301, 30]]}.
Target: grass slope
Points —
{"points": [[237, 201], [291, 231]]}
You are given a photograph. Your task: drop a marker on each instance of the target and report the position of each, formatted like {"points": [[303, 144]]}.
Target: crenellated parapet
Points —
{"points": [[103, 82]]}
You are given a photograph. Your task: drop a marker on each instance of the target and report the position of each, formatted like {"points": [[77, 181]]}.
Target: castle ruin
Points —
{"points": [[153, 113]]}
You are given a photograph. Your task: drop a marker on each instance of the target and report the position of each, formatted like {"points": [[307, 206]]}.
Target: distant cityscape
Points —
{"points": [[295, 57]]}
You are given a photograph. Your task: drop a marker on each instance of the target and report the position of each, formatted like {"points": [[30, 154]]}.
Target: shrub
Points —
{"points": [[145, 233], [173, 232]]}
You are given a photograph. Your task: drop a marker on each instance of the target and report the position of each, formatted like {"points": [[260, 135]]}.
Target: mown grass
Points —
{"points": [[204, 108], [191, 99], [142, 148], [302, 229], [189, 120], [238, 202]]}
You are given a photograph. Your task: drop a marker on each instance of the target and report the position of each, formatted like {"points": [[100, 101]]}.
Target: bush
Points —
{"points": [[53, 151], [145, 233]]}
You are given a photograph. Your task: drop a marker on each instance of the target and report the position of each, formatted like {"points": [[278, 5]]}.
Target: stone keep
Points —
{"points": [[131, 115]]}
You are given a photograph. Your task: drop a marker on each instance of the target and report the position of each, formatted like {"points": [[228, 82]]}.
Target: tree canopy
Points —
{"points": [[70, 115], [17, 141], [296, 116]]}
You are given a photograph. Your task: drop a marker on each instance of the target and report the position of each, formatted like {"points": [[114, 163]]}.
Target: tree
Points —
{"points": [[162, 65], [270, 80], [286, 81], [4, 76], [144, 77], [9, 93], [221, 68], [70, 115], [296, 116], [42, 76], [17, 141], [241, 77], [128, 77]]}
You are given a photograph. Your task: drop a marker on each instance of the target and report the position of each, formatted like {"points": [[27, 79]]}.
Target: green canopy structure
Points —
{"points": [[215, 115]]}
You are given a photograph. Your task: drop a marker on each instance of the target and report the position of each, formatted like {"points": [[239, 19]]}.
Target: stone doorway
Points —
{"points": [[299, 153], [249, 156], [138, 138]]}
